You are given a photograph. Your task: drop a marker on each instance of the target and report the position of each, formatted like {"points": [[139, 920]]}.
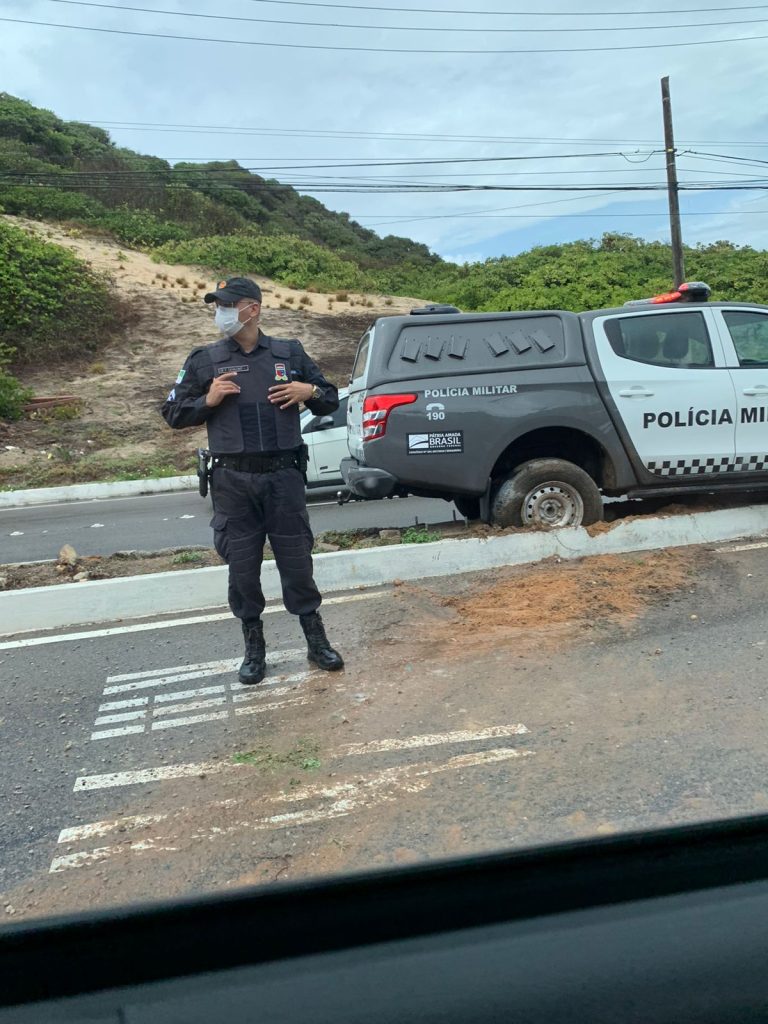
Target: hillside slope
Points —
{"points": [[118, 431]]}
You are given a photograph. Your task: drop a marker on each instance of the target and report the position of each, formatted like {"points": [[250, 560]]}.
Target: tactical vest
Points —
{"points": [[225, 435]]}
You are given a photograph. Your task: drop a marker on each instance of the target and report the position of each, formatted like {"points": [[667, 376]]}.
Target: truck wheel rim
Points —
{"points": [[553, 504]]}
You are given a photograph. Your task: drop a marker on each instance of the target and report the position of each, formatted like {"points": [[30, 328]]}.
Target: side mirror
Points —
{"points": [[324, 423]]}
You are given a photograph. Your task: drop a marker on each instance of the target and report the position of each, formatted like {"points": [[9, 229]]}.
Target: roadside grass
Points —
{"points": [[303, 756]]}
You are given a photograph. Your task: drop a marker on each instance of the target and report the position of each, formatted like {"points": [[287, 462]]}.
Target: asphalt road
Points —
{"points": [[138, 768], [155, 521]]}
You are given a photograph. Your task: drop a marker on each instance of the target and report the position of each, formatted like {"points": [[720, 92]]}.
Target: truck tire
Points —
{"points": [[547, 493], [468, 507]]}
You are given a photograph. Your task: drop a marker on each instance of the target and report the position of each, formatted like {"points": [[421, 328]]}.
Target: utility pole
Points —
{"points": [[672, 192]]}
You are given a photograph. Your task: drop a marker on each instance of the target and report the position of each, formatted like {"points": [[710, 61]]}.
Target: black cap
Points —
{"points": [[234, 289]]}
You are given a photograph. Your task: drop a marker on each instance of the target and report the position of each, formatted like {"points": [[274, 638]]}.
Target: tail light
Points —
{"points": [[376, 410]]}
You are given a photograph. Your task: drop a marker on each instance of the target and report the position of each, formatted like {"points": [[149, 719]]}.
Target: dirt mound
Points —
{"points": [[556, 599]]}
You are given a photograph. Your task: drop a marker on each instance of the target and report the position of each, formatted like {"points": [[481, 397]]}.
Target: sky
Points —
{"points": [[586, 115]]}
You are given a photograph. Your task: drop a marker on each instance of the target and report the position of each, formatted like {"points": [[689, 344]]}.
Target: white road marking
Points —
{"points": [[253, 693], [116, 705], [121, 716], [192, 705], [164, 698], [742, 547], [101, 828], [143, 627], [16, 533], [208, 667], [434, 739], [172, 723], [109, 734], [258, 709], [142, 775], [296, 677], [345, 798], [78, 860], [97, 526], [127, 822], [186, 517], [204, 668], [149, 684]]}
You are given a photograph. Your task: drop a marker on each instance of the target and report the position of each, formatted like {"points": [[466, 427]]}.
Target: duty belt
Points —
{"points": [[258, 463]]}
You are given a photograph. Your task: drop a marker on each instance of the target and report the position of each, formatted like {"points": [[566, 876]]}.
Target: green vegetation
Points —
{"points": [[420, 535], [187, 557], [285, 258], [64, 170], [13, 394], [303, 755], [221, 217], [51, 305], [64, 468]]}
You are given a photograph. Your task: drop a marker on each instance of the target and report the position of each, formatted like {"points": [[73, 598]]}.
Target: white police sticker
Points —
{"points": [[442, 442], [172, 396]]}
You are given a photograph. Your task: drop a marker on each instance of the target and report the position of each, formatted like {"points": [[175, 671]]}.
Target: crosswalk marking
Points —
{"points": [[151, 682], [116, 705], [110, 734], [178, 771], [258, 709], [121, 716], [173, 723], [205, 667], [143, 775], [144, 710], [340, 800], [434, 739], [163, 698], [190, 705]]}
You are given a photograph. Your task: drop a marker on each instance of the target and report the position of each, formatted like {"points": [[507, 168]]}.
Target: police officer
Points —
{"points": [[247, 388]]}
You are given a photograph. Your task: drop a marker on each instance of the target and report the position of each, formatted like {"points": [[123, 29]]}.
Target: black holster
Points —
{"points": [[303, 461], [203, 470]]}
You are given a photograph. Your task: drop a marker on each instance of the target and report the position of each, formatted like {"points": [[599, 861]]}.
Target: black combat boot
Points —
{"points": [[254, 664], [318, 648]]}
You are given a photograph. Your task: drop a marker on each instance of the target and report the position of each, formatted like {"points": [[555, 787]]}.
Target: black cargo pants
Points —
{"points": [[248, 508]]}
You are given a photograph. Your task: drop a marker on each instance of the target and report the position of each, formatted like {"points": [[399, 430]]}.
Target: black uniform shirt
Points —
{"points": [[247, 422]]}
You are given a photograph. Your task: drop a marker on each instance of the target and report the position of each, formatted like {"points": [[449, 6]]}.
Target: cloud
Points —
{"points": [[718, 93]]}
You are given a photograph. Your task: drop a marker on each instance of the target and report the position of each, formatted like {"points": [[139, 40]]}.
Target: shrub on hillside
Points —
{"points": [[51, 304], [284, 258]]}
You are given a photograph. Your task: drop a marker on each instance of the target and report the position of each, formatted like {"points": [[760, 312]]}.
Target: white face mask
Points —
{"points": [[227, 319]]}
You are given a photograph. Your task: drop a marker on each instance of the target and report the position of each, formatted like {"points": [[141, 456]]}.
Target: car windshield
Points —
{"points": [[349, 519]]}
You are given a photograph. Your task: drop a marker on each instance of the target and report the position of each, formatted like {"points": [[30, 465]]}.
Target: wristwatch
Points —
{"points": [[316, 393]]}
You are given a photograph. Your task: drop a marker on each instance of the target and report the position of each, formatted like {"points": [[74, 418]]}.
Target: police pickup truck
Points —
{"points": [[529, 418]]}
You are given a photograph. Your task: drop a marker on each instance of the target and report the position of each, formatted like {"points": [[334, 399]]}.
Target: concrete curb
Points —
{"points": [[189, 590], [94, 491]]}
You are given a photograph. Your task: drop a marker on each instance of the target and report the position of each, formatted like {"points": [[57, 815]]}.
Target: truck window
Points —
{"points": [[674, 339], [361, 358], [749, 331]]}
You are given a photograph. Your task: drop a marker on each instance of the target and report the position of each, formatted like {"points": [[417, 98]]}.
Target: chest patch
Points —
{"points": [[280, 372], [245, 368]]}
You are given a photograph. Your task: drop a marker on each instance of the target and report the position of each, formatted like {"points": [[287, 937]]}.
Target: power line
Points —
{"points": [[381, 49], [417, 162], [405, 28], [537, 14], [67, 182], [305, 133]]}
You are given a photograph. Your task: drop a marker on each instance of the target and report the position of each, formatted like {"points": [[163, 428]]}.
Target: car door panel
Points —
{"points": [[667, 377], [744, 334]]}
